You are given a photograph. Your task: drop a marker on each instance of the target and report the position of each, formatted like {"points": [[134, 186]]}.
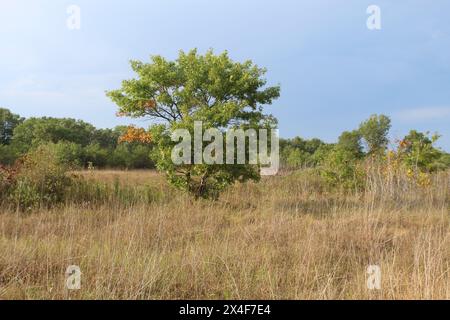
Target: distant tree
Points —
{"points": [[106, 138], [312, 145], [35, 131], [119, 158], [298, 152], [322, 153], [292, 157], [419, 152], [350, 141], [209, 88], [140, 156], [297, 142], [374, 132], [8, 154], [96, 154], [8, 121], [68, 153]]}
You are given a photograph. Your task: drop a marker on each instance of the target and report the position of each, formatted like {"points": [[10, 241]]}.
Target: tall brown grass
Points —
{"points": [[287, 237]]}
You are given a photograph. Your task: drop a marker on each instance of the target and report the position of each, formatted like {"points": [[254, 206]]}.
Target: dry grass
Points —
{"points": [[284, 238]]}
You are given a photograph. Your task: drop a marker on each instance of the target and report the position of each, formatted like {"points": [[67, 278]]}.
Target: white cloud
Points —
{"points": [[423, 114]]}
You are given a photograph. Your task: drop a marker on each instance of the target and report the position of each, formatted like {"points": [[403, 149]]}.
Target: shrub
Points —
{"points": [[292, 157], [96, 155], [8, 154], [341, 169], [419, 154], [68, 153], [7, 181], [42, 179]]}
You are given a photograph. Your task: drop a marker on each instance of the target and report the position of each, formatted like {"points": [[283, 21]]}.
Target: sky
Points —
{"points": [[333, 71]]}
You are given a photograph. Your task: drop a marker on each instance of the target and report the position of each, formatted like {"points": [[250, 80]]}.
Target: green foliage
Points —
{"points": [[190, 89], [209, 88], [350, 142], [68, 153], [419, 153], [293, 157], [76, 142], [374, 132], [322, 153], [140, 157], [35, 131], [297, 152], [42, 179], [8, 154], [8, 122], [341, 165], [131, 155], [342, 169], [107, 138], [444, 161], [96, 155]]}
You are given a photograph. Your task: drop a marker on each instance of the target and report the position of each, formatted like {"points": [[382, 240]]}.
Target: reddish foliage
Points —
{"points": [[8, 176]]}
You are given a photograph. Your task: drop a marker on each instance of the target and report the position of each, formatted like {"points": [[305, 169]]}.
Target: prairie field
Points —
{"points": [[283, 238]]}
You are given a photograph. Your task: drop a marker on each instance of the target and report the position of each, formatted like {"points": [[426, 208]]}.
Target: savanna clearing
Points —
{"points": [[283, 238]]}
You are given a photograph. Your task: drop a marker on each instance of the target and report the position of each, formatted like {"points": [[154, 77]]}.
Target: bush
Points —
{"points": [[67, 153], [131, 156], [7, 181], [419, 154], [42, 179], [8, 154], [341, 169], [96, 155]]}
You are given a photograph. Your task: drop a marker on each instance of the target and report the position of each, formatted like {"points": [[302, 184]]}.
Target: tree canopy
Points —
{"points": [[210, 88], [34, 131], [374, 132]]}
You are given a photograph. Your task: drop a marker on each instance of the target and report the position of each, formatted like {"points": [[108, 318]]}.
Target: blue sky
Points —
{"points": [[333, 71]]}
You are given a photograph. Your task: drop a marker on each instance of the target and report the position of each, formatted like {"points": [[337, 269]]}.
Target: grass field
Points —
{"points": [[284, 238]]}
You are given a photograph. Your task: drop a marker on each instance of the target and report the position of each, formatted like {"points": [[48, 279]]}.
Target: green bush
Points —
{"points": [[341, 169], [96, 155], [8, 154], [418, 152], [68, 153], [42, 179]]}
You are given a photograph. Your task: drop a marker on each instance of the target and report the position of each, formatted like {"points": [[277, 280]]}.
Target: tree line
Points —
{"points": [[80, 143], [345, 164], [75, 141], [371, 138]]}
